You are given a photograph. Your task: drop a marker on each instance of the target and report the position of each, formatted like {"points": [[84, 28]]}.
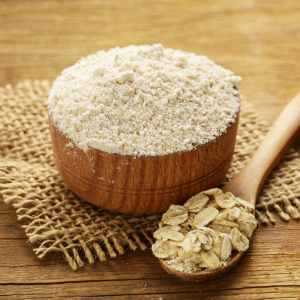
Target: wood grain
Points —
{"points": [[259, 40], [142, 184]]}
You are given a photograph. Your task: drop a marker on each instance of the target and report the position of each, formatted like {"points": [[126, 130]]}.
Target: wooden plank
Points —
{"points": [[10, 227], [9, 218], [6, 208], [12, 232], [136, 287], [248, 293], [260, 271], [271, 258]]}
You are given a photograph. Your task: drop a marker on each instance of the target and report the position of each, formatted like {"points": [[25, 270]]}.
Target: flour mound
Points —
{"points": [[144, 100]]}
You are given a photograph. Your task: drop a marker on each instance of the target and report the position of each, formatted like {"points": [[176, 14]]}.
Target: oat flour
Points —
{"points": [[144, 100]]}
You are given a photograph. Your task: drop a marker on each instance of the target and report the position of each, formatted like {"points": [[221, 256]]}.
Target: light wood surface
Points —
{"points": [[142, 184], [259, 40]]}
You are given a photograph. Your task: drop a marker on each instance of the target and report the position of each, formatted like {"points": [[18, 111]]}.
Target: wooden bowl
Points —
{"points": [[142, 184]]}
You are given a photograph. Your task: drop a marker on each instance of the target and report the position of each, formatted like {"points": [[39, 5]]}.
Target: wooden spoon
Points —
{"points": [[247, 184]]}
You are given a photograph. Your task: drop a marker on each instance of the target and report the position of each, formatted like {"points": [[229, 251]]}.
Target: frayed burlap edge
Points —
{"points": [[56, 220]]}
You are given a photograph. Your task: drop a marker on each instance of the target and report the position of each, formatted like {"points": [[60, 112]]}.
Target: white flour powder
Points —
{"points": [[144, 100]]}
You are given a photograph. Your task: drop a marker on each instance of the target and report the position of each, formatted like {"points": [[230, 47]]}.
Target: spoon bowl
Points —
{"points": [[203, 275]]}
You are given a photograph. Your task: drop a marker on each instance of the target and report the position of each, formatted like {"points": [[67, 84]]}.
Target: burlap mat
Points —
{"points": [[57, 220]]}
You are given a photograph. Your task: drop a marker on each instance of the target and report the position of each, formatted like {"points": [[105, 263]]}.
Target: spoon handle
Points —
{"points": [[248, 183]]}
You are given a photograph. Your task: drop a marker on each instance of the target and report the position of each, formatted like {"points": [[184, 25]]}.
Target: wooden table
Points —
{"points": [[259, 40]]}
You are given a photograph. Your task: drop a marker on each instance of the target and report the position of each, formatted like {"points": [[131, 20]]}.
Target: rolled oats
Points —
{"points": [[203, 232], [239, 241], [226, 200], [217, 246], [165, 249], [196, 202], [205, 216], [195, 259], [229, 214], [226, 248], [213, 203], [226, 223], [246, 205], [247, 229], [209, 244], [193, 241], [168, 233], [246, 218], [161, 225], [220, 228], [184, 255], [213, 192], [211, 259], [175, 215], [209, 232]]}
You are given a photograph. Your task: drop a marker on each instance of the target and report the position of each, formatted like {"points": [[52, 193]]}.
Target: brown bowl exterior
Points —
{"points": [[142, 184]]}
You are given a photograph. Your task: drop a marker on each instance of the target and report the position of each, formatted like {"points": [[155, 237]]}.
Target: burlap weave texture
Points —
{"points": [[55, 219]]}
